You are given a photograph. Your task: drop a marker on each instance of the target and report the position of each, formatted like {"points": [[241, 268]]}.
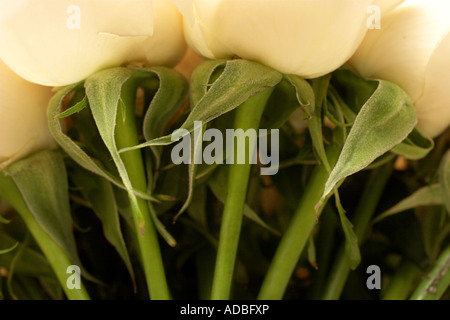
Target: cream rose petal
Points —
{"points": [[400, 51], [305, 37], [433, 107], [403, 51], [59, 42], [23, 117]]}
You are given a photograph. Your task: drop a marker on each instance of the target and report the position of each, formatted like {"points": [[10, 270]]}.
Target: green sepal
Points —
{"points": [[320, 88], [74, 109], [425, 196], [415, 146], [351, 240], [7, 250], [42, 182], [384, 121], [240, 80], [99, 193], [304, 94]]}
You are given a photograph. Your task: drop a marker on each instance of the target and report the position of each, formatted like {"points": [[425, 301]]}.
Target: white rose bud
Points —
{"points": [[308, 38], [412, 49], [59, 42], [23, 117]]}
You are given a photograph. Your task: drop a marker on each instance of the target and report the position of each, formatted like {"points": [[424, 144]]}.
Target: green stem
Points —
{"points": [[58, 259], [402, 282], [297, 234], [248, 116], [361, 220], [150, 253], [325, 241], [437, 281]]}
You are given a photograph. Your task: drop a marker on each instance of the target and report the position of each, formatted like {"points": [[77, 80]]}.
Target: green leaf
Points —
{"points": [[304, 94], [161, 228], [4, 251], [196, 152], [100, 195], [32, 264], [203, 77], [74, 109], [67, 144], [351, 240], [4, 220], [383, 122], [197, 208], [172, 91], [354, 89], [104, 90], [201, 81], [444, 179], [57, 129], [425, 196], [415, 146], [320, 87], [281, 105], [42, 181], [11, 270], [240, 80]]}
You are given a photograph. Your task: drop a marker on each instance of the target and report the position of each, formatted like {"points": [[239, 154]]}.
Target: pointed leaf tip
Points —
{"points": [[384, 121]]}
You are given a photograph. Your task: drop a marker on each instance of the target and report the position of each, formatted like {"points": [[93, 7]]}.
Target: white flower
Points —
{"points": [[59, 42], [412, 49], [308, 38], [23, 117]]}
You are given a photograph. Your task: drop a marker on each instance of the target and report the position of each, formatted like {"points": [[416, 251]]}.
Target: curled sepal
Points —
{"points": [[4, 220], [7, 250], [99, 193], [304, 94], [172, 91], [202, 79], [416, 146], [240, 80], [351, 240], [217, 87], [383, 122], [104, 90], [74, 149], [320, 87], [425, 196]]}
